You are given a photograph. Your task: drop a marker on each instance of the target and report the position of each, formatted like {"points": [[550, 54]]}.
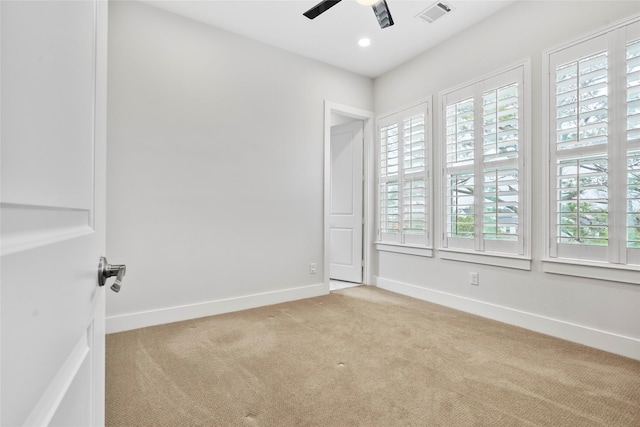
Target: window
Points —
{"points": [[594, 149], [484, 144], [404, 169]]}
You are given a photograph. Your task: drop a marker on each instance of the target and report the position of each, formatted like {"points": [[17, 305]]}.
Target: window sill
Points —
{"points": [[404, 249], [499, 260], [592, 270]]}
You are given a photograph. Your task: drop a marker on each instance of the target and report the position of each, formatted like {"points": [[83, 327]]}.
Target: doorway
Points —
{"points": [[348, 134], [346, 208]]}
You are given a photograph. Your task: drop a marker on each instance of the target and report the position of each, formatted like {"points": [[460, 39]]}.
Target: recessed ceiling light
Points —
{"points": [[367, 2], [364, 42]]}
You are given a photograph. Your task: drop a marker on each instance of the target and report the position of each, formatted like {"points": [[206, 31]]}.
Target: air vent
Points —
{"points": [[435, 11]]}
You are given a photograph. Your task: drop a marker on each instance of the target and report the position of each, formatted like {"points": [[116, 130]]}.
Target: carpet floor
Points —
{"points": [[362, 357]]}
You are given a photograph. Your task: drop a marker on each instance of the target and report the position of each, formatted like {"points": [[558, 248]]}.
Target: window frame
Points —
{"points": [[612, 261], [403, 242], [504, 254]]}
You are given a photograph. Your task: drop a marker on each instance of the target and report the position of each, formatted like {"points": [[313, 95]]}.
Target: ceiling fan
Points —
{"points": [[380, 9]]}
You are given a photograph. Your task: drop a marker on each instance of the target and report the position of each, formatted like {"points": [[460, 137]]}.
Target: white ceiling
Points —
{"points": [[332, 37]]}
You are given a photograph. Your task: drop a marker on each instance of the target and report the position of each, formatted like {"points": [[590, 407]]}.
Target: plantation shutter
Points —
{"points": [[389, 176], [460, 153], [483, 138], [414, 183], [632, 69], [403, 177], [580, 132], [595, 148]]}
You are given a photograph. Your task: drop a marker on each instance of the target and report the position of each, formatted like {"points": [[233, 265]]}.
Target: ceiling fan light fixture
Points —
{"points": [[380, 10]]}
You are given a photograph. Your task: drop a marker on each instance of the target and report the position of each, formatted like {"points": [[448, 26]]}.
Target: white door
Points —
{"points": [[53, 118], [345, 221]]}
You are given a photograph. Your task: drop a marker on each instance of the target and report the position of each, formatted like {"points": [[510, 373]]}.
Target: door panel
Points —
{"points": [[53, 96], [345, 228], [75, 407], [342, 241], [47, 70], [342, 179]]}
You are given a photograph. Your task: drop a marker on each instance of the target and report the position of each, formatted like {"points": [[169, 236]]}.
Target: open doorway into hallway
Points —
{"points": [[348, 150]]}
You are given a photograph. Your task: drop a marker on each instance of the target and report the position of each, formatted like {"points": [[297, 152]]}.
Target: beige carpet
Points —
{"points": [[362, 357]]}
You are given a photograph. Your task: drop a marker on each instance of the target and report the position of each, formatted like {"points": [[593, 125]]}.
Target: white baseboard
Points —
{"points": [[613, 343], [126, 322]]}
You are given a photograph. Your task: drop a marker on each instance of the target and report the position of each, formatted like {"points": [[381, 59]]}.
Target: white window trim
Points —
{"points": [[517, 261], [592, 270], [486, 258], [404, 248], [409, 248], [566, 266]]}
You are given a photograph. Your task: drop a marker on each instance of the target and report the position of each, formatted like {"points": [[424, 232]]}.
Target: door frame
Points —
{"points": [[367, 118]]}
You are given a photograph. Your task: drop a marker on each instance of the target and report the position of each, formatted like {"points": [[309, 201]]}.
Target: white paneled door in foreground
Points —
{"points": [[53, 96], [345, 255]]}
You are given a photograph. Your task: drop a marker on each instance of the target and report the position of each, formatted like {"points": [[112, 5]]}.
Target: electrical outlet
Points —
{"points": [[312, 268], [474, 279]]}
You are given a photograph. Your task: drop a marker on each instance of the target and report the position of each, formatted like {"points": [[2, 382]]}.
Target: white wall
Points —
{"points": [[598, 313], [215, 176]]}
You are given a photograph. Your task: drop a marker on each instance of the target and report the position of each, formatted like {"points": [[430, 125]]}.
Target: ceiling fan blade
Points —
{"points": [[383, 14], [321, 7]]}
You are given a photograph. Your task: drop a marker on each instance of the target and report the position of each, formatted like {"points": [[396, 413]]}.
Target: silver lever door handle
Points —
{"points": [[106, 270]]}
